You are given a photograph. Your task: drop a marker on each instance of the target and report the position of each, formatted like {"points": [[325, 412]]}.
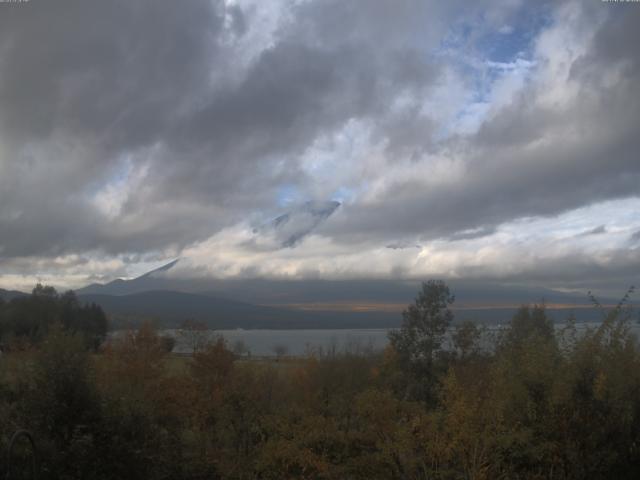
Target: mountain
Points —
{"points": [[164, 268], [289, 228], [311, 303], [10, 294], [269, 304], [152, 280], [170, 308], [469, 294]]}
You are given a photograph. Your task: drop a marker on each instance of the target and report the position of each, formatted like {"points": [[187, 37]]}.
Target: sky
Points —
{"points": [[489, 140]]}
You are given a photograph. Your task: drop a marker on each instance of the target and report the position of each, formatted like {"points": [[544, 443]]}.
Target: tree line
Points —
{"points": [[539, 403], [27, 320]]}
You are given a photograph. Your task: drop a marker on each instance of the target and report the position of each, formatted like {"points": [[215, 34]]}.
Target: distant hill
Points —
{"points": [[9, 294], [169, 309], [150, 281], [265, 291], [268, 303]]}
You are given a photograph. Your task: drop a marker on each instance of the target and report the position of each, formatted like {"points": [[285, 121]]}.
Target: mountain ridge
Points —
{"points": [[170, 308], [10, 294]]}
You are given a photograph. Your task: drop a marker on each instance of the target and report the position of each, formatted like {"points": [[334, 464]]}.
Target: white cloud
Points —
{"points": [[516, 249]]}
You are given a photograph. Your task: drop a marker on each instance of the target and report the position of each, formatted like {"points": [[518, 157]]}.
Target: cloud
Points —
{"points": [[132, 131], [288, 229], [542, 251], [402, 245], [135, 127], [599, 230], [560, 144], [473, 233]]}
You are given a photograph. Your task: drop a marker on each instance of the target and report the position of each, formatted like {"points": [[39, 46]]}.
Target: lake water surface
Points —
{"points": [[301, 342]]}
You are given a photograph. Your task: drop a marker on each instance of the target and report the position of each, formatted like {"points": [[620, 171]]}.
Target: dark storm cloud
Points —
{"points": [[531, 158], [329, 65], [90, 89], [114, 71], [132, 127], [615, 44], [83, 83]]}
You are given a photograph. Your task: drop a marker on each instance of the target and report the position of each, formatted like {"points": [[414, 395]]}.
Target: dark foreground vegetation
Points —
{"points": [[26, 320], [540, 404]]}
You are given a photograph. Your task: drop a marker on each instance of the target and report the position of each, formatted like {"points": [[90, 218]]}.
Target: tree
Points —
{"points": [[195, 335], [29, 318], [61, 404], [280, 350], [418, 342], [44, 291], [89, 320], [212, 365], [466, 339], [528, 324], [240, 348], [168, 343]]}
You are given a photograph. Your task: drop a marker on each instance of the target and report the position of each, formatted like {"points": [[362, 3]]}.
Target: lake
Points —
{"points": [[295, 342], [301, 342]]}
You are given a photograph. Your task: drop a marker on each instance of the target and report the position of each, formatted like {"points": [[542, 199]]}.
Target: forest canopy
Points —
{"points": [[541, 402], [28, 319]]}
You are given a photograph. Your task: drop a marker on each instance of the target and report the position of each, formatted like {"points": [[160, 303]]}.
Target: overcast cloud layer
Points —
{"points": [[497, 140]]}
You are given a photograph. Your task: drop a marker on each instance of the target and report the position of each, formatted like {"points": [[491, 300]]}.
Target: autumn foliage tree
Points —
{"points": [[418, 342], [539, 402]]}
